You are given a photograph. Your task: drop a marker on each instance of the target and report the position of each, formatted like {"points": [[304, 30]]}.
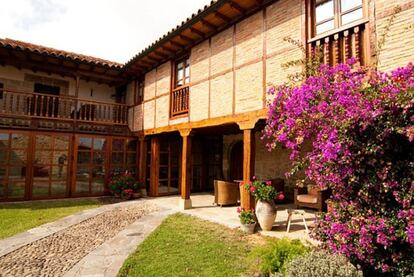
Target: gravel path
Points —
{"points": [[59, 252]]}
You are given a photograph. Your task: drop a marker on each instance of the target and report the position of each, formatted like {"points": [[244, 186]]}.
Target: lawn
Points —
{"points": [[187, 246], [19, 217]]}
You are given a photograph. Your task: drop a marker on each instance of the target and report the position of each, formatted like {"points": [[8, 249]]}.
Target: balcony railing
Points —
{"points": [[341, 44], [65, 108], [180, 100]]}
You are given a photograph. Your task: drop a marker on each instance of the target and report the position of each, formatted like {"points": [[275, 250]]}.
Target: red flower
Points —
{"points": [[239, 209], [269, 183], [280, 196], [252, 189]]}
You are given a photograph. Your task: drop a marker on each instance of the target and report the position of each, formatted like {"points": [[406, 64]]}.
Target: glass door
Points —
{"points": [[91, 165]]}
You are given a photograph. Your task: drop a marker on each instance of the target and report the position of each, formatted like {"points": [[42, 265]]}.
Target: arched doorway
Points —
{"points": [[236, 161]]}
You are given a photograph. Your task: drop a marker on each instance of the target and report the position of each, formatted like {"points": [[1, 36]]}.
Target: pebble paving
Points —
{"points": [[59, 252]]}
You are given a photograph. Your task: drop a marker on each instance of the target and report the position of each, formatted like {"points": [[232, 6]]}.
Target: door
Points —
{"points": [[236, 161]]}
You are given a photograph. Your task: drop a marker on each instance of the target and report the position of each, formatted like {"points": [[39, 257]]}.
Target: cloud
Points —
{"points": [[110, 29]]}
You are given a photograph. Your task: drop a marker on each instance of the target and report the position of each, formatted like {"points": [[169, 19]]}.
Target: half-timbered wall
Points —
{"points": [[230, 71], [398, 49]]}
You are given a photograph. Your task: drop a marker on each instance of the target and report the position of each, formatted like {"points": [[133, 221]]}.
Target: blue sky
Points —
{"points": [[111, 29]]}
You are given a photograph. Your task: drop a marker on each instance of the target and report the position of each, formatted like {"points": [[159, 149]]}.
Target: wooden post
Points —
{"points": [[141, 159], [155, 164], [185, 201], [247, 201]]}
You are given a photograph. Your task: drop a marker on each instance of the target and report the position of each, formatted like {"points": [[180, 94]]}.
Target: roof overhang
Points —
{"points": [[217, 16]]}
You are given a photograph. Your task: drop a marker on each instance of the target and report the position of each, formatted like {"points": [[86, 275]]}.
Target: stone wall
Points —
{"points": [[399, 45]]}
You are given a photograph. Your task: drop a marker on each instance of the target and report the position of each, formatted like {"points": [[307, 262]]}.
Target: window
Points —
{"points": [[139, 93], [182, 72], [331, 14]]}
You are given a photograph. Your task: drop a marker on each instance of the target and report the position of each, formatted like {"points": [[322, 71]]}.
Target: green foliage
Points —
{"points": [[261, 191], [274, 256], [124, 184], [321, 264], [246, 216]]}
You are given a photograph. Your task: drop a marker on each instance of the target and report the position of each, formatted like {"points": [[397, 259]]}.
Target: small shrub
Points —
{"points": [[322, 264], [124, 185], [273, 257]]}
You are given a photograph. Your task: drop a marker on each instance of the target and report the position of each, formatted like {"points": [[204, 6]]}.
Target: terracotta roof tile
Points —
{"points": [[25, 46]]}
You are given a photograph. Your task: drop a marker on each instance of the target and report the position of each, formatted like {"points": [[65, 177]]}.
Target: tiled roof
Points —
{"points": [[25, 46]]}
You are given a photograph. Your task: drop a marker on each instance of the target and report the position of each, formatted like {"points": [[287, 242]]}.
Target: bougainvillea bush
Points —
{"points": [[360, 123]]}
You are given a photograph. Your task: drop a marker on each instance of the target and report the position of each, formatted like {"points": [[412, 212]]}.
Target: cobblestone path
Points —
{"points": [[59, 252]]}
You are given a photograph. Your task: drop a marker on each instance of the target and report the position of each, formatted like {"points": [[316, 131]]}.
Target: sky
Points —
{"points": [[115, 30]]}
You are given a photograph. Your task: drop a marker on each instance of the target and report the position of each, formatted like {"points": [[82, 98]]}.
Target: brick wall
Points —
{"points": [[399, 45]]}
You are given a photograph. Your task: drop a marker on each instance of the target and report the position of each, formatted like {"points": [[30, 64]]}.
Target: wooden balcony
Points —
{"points": [[338, 45], [180, 100], [29, 106]]}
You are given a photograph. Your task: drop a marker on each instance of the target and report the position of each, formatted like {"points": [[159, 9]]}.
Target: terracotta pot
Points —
{"points": [[248, 228], [266, 214]]}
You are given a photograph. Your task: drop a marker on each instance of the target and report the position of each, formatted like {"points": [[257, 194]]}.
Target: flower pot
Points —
{"points": [[136, 195], [266, 214], [248, 228]]}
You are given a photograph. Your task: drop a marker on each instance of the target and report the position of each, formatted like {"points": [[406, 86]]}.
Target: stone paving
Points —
{"points": [[57, 253]]}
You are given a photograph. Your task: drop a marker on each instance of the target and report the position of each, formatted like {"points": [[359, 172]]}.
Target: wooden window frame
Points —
{"points": [[179, 94], [186, 60], [337, 17]]}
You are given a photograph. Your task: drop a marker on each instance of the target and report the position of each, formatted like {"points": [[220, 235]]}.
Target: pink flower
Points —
{"points": [[253, 189], [269, 183], [239, 209], [280, 196]]}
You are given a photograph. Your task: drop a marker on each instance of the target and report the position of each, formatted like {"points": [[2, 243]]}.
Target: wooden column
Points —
{"points": [[185, 201], [155, 166], [247, 201], [141, 159]]}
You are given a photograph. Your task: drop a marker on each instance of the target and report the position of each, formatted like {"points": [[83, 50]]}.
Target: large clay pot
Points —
{"points": [[266, 214]]}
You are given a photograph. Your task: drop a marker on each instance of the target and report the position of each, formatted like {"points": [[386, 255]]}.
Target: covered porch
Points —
{"points": [[202, 207]]}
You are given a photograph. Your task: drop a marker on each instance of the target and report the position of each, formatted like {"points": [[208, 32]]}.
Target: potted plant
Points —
{"points": [[125, 186], [247, 220], [265, 194]]}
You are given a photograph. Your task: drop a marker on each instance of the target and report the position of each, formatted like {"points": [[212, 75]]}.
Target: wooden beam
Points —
{"points": [[172, 42], [155, 164], [169, 49], [222, 16], [163, 56], [184, 37], [209, 24], [141, 160], [186, 168], [247, 201], [153, 59], [237, 7], [198, 32]]}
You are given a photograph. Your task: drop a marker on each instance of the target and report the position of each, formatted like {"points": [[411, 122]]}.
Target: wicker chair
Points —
{"points": [[226, 193], [311, 198]]}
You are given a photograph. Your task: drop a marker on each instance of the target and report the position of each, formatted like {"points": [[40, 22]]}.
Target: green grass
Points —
{"points": [[19, 217], [186, 246]]}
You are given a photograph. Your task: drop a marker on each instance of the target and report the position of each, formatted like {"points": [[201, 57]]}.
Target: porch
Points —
{"points": [[203, 207]]}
